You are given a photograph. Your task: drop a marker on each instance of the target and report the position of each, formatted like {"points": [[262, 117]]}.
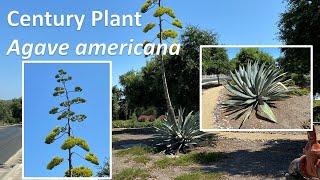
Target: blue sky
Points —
{"points": [[39, 85], [236, 22], [274, 52]]}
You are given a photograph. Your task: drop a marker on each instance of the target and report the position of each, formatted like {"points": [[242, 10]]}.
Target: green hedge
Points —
{"points": [[132, 123]]}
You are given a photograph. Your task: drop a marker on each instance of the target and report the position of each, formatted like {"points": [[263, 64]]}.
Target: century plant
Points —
{"points": [[67, 117], [256, 87], [160, 14], [181, 134]]}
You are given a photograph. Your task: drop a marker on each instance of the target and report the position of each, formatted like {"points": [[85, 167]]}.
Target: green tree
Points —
{"points": [[300, 24], [215, 61], [16, 109], [141, 89], [65, 113], [116, 98], [104, 169], [162, 35], [11, 111], [252, 54], [185, 67], [5, 113], [133, 88]]}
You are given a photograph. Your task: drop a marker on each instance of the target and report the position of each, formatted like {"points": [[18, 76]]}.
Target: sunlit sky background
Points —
{"points": [[40, 83], [275, 52], [236, 22]]}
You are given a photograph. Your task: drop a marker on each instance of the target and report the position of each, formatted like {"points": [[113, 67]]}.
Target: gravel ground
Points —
{"points": [[290, 113], [248, 155], [209, 102]]}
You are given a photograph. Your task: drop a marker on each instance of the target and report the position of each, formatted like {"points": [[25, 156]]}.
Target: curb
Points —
{"points": [[11, 125], [14, 158], [12, 172], [12, 169]]}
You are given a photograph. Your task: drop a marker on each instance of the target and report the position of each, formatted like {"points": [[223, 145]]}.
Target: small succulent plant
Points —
{"points": [[255, 87]]}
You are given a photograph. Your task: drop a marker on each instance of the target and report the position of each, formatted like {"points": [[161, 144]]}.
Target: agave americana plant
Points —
{"points": [[181, 134], [255, 87]]}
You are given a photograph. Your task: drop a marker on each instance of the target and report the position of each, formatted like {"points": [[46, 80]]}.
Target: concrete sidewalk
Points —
{"points": [[14, 173], [12, 169]]}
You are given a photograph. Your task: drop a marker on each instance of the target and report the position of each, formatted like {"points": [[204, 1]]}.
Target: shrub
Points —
{"points": [[299, 91], [316, 114], [132, 123], [316, 103], [151, 110], [104, 170], [255, 87], [300, 79], [180, 134]]}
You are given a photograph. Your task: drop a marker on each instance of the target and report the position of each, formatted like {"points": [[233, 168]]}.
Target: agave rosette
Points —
{"points": [[181, 133], [255, 87]]}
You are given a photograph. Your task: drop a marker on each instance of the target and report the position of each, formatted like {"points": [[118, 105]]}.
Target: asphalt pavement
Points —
{"points": [[10, 141]]}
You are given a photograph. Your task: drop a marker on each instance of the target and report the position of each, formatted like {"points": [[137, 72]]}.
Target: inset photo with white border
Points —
{"points": [[66, 119], [256, 87]]}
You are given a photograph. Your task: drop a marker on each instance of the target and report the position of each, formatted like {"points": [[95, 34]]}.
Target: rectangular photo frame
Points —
{"points": [[256, 46], [110, 115]]}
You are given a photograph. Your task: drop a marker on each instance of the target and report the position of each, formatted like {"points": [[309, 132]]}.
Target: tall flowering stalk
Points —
{"points": [[68, 117], [161, 12]]}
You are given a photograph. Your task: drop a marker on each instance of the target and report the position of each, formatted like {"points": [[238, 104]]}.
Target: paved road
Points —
{"points": [[10, 141], [214, 79]]}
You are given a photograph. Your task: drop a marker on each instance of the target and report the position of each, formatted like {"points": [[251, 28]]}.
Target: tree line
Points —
{"points": [[142, 92], [11, 111]]}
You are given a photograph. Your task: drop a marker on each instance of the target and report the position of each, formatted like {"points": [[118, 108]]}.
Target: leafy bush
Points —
{"points": [[299, 91], [316, 103], [104, 170], [11, 111], [255, 87], [300, 79], [316, 114], [132, 123], [151, 110], [180, 134]]}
